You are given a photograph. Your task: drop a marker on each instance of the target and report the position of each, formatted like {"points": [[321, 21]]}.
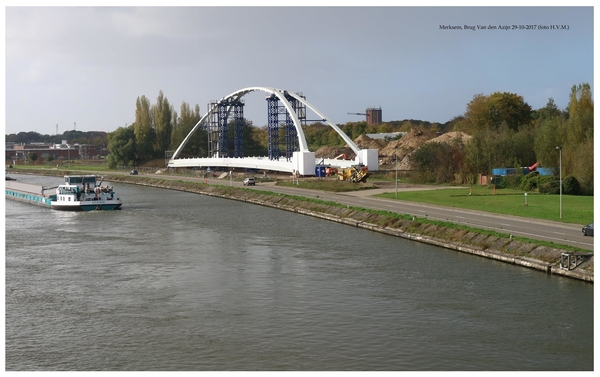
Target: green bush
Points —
{"points": [[512, 181], [437, 162], [422, 177], [499, 182], [529, 182], [571, 186], [548, 184]]}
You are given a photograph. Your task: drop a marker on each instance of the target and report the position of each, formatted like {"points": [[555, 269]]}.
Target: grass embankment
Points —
{"points": [[331, 185], [575, 209]]}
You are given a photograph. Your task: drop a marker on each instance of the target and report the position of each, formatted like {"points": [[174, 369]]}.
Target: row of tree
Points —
{"points": [[73, 137], [158, 128], [507, 133], [505, 130]]}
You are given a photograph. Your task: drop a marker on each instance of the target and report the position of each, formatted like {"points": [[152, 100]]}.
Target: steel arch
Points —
{"points": [[237, 95]]}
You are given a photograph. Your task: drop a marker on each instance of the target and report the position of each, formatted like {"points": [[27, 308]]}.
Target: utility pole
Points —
{"points": [[560, 177], [396, 158]]}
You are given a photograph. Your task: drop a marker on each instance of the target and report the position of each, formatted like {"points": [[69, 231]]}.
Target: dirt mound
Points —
{"points": [[406, 144], [362, 142], [333, 152], [416, 138], [402, 147], [365, 142], [451, 136]]}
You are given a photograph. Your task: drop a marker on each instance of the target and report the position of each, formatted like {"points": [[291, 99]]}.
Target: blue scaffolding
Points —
{"points": [[273, 125], [223, 109], [238, 129], [222, 130], [291, 135]]}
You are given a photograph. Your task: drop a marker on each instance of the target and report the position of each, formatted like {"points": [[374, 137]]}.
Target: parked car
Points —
{"points": [[588, 230], [133, 172], [249, 182]]}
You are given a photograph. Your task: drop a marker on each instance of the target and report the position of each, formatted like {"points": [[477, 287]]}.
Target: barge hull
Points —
{"points": [[27, 193], [86, 207], [28, 198]]}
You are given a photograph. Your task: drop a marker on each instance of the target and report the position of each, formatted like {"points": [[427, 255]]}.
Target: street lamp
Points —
{"points": [[560, 177], [396, 157]]}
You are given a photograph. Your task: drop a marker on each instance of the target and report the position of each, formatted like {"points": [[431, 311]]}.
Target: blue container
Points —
{"points": [[505, 171], [545, 171], [320, 171]]}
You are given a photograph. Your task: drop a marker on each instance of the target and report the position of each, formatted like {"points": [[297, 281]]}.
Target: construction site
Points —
{"points": [[400, 149]]}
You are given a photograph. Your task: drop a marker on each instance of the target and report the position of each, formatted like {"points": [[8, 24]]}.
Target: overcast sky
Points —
{"points": [[87, 65]]}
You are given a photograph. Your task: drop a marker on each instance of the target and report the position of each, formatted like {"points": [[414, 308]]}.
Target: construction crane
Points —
{"points": [[367, 115]]}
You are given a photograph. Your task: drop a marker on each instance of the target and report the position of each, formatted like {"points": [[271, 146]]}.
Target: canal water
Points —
{"points": [[182, 282]]}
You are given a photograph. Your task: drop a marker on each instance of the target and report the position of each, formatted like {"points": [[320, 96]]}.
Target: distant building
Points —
{"points": [[374, 116], [391, 135], [19, 152]]}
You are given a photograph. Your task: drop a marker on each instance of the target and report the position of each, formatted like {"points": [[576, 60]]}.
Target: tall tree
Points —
{"points": [[144, 132], [476, 116], [490, 149], [489, 112], [578, 143], [174, 127], [547, 112], [197, 144], [438, 162], [162, 116], [509, 108], [581, 114], [122, 147], [547, 138]]}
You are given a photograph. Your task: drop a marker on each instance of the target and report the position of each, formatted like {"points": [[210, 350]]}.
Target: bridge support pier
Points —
{"points": [[369, 158], [304, 163]]}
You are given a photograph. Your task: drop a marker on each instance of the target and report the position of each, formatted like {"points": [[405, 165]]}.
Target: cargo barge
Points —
{"points": [[78, 193]]}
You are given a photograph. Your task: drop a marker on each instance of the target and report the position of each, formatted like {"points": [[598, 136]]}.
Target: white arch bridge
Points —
{"points": [[286, 113]]}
